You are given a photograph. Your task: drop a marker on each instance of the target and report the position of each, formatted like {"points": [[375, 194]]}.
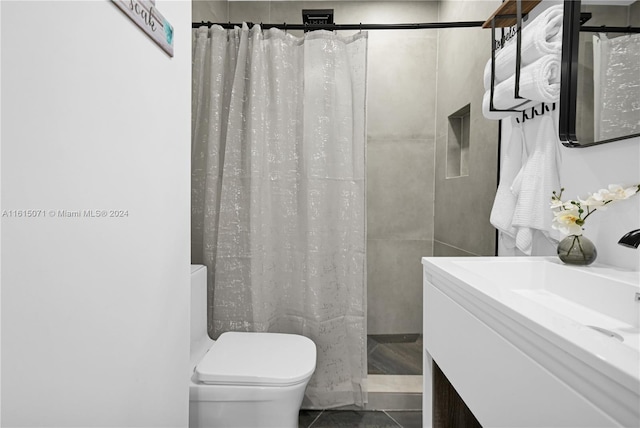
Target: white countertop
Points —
{"points": [[552, 304]]}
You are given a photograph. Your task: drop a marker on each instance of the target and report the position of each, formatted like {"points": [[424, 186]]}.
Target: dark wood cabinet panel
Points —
{"points": [[449, 410]]}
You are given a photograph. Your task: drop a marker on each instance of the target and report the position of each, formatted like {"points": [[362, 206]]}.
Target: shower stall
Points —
{"points": [[427, 192]]}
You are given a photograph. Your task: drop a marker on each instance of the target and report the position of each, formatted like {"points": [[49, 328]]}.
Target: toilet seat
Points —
{"points": [[257, 359]]}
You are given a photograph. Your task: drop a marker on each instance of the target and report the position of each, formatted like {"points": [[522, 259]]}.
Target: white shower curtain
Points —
{"points": [[278, 193], [616, 83]]}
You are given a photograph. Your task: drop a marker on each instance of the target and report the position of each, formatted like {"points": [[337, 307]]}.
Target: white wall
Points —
{"points": [[0, 221], [586, 170], [94, 310]]}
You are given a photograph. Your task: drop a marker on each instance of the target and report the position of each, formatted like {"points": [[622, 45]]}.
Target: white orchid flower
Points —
{"points": [[595, 200], [556, 203], [568, 221], [616, 192], [572, 215]]}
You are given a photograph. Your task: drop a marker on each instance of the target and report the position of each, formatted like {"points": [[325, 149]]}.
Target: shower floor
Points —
{"points": [[359, 419], [394, 354]]}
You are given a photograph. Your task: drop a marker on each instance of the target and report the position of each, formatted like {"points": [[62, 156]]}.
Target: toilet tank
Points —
{"points": [[198, 311]]}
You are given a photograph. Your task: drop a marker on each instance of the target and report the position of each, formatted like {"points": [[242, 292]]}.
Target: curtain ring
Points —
{"points": [[361, 27], [285, 28]]}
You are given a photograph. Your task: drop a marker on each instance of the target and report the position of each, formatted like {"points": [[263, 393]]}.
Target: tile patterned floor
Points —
{"points": [[358, 419], [397, 354]]}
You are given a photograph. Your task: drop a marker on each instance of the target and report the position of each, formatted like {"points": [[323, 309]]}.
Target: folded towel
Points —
{"points": [[504, 204], [540, 176], [539, 82], [542, 36]]}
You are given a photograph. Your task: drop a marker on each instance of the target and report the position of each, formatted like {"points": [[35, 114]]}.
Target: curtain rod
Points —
{"points": [[285, 26], [605, 29]]}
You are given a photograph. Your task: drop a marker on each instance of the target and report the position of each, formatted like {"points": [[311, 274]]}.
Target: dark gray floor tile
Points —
{"points": [[354, 419], [307, 417], [395, 354], [394, 338], [406, 419]]}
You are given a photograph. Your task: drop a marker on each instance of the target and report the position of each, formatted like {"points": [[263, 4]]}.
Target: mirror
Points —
{"points": [[600, 96]]}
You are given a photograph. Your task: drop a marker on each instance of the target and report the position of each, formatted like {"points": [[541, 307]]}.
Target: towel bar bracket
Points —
{"points": [[518, 35]]}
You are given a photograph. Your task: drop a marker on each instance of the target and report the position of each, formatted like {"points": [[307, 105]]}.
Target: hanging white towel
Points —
{"points": [[539, 177], [540, 37], [504, 204]]}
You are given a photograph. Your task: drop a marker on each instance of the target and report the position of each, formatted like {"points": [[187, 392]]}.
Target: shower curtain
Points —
{"points": [[278, 193], [616, 101]]}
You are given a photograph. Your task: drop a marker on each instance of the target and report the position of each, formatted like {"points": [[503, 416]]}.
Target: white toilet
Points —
{"points": [[244, 380]]}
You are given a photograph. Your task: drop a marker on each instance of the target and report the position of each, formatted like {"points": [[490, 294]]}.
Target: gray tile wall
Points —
{"points": [[401, 146], [463, 204], [213, 11], [401, 134]]}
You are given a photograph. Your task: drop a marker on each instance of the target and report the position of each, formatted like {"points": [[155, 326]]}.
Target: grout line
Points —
{"points": [[400, 139], [391, 417], [317, 417], [454, 247], [394, 238]]}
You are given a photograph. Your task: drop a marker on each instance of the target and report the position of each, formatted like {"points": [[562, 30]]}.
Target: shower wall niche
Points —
{"points": [[458, 137]]}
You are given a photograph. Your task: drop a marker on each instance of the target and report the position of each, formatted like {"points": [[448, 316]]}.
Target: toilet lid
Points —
{"points": [[259, 359]]}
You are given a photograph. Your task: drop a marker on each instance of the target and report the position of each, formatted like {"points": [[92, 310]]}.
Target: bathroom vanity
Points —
{"points": [[530, 342]]}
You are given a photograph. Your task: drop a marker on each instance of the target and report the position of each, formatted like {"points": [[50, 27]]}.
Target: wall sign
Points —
{"points": [[147, 17]]}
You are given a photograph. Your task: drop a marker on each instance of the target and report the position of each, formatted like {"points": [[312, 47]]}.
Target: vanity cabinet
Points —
{"points": [[503, 381]]}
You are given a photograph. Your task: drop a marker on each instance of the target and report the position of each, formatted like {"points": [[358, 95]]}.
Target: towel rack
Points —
{"points": [[504, 17]]}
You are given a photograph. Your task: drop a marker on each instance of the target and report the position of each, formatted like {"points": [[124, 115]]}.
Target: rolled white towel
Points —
{"points": [[497, 115], [539, 82], [492, 115], [542, 36], [541, 79]]}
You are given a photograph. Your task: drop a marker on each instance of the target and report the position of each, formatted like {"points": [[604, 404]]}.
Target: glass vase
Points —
{"points": [[577, 250]]}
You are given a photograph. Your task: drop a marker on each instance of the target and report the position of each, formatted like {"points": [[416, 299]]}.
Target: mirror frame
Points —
{"points": [[569, 79], [569, 74]]}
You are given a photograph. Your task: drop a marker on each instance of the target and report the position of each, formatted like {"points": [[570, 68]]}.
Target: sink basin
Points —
{"points": [[599, 297], [591, 312]]}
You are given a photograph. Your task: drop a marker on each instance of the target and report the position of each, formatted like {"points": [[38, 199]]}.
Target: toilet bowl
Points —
{"points": [[244, 379]]}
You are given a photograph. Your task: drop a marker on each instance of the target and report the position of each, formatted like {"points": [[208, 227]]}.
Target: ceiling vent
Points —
{"points": [[317, 16]]}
